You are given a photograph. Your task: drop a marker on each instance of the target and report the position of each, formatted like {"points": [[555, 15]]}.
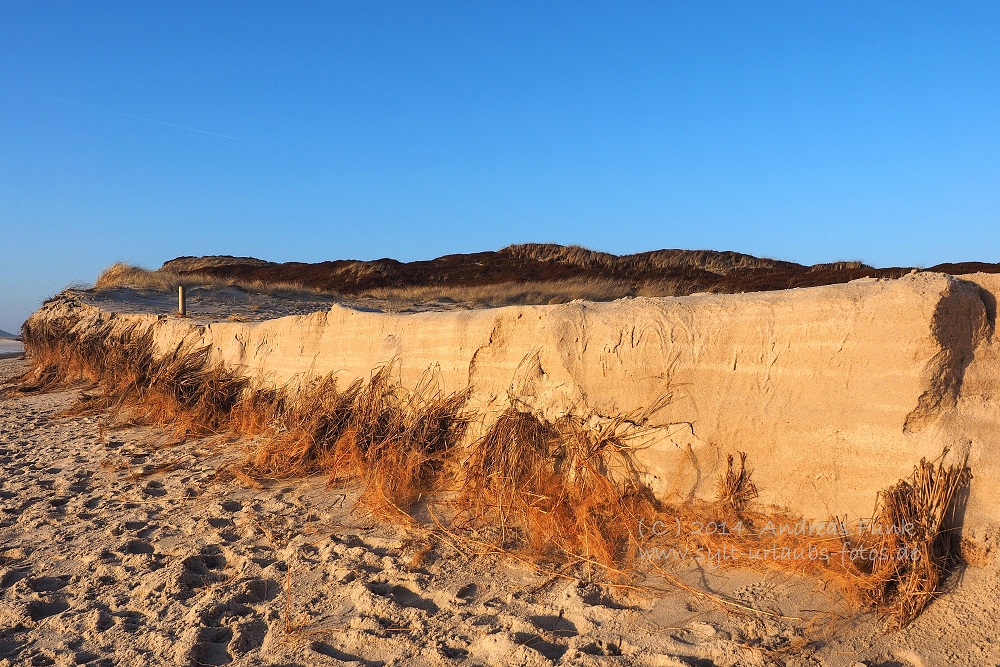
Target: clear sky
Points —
{"points": [[292, 131]]}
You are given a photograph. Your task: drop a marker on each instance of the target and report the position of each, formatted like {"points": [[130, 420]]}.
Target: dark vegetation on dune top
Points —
{"points": [[688, 271]]}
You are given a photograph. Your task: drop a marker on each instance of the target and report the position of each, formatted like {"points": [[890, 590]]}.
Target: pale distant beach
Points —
{"points": [[10, 348]]}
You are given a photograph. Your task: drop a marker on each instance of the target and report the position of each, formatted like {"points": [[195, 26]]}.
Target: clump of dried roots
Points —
{"points": [[913, 540], [128, 379], [562, 488], [736, 490], [395, 441]]}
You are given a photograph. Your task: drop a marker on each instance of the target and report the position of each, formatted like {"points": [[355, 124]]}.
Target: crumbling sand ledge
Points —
{"points": [[834, 392]]}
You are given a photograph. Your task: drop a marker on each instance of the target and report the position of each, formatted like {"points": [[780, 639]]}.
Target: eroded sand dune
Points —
{"points": [[834, 392], [119, 548]]}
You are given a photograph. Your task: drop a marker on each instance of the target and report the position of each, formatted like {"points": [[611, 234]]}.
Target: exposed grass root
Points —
{"points": [[736, 490], [181, 390], [560, 488], [914, 540], [57, 357], [396, 442]]}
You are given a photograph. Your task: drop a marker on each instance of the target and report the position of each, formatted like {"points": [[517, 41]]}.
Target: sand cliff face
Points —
{"points": [[834, 392]]}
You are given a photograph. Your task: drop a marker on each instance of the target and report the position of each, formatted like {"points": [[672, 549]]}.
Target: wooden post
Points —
{"points": [[181, 301]]}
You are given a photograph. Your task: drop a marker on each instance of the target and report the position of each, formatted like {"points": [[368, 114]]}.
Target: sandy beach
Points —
{"points": [[126, 547]]}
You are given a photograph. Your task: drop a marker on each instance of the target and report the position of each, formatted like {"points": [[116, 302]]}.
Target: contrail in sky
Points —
{"points": [[117, 113]]}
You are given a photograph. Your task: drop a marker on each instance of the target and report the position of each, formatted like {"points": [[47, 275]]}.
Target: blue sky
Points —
{"points": [[805, 131]]}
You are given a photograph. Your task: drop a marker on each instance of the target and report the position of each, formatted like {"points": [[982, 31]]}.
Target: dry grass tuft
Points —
{"points": [[131, 383], [299, 441], [395, 441], [736, 490], [125, 275], [560, 489], [913, 539]]}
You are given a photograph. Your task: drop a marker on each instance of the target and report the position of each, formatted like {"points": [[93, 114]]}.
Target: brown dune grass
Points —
{"points": [[527, 274], [707, 260], [542, 292], [563, 491], [121, 275], [531, 273]]}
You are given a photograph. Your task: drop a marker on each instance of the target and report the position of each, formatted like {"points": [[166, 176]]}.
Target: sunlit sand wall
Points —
{"points": [[834, 392]]}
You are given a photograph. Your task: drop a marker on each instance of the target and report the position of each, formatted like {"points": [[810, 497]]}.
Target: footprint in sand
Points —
{"points": [[48, 584], [154, 489], [42, 609]]}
